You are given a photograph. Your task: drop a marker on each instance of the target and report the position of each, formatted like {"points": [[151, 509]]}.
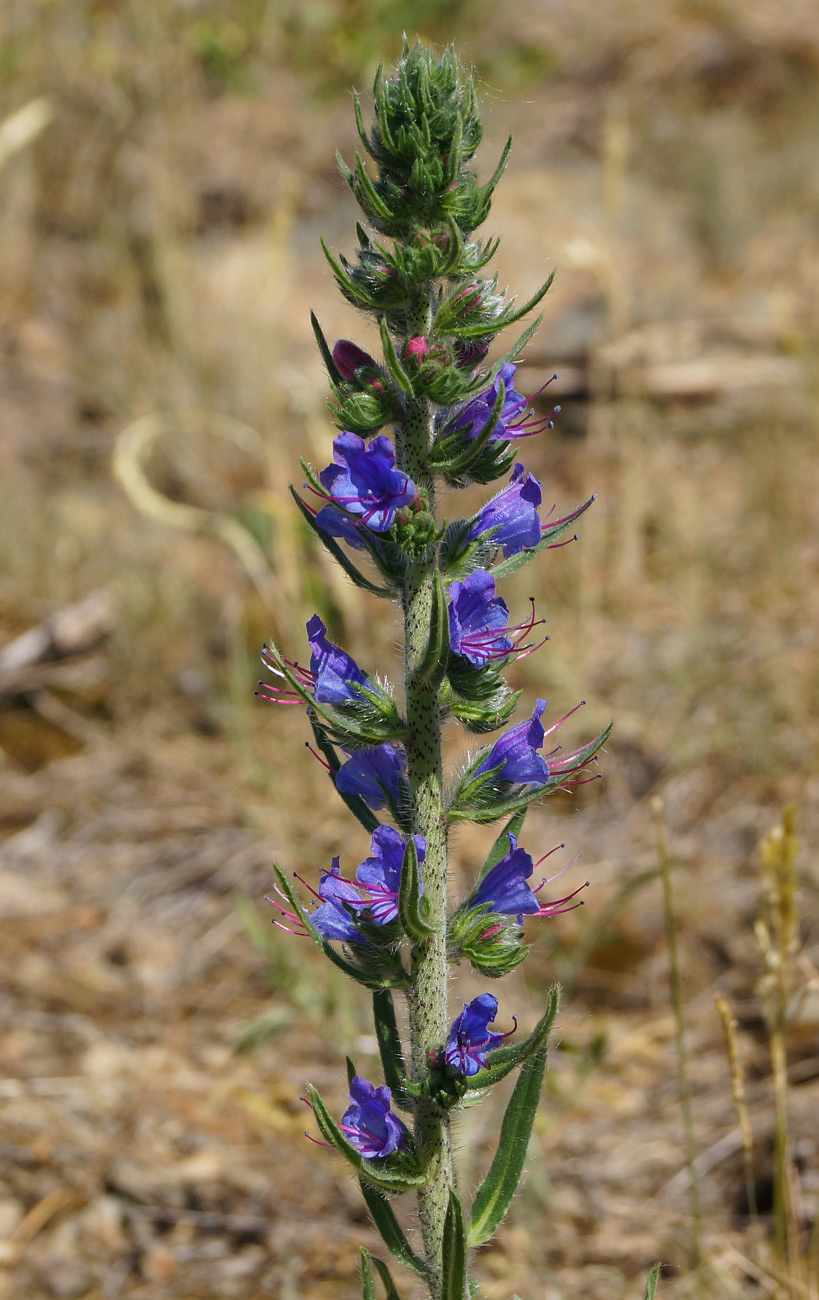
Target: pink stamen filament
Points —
{"points": [[321, 759], [548, 730]]}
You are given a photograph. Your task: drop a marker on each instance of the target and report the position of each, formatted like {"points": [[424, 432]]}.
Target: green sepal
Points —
{"points": [[506, 1059], [453, 453], [507, 317], [353, 292], [495, 1193], [381, 969], [389, 1046], [502, 846], [339, 555], [351, 1070], [392, 1175], [326, 354], [488, 716], [392, 1234], [486, 191], [360, 810], [393, 361], [413, 907], [519, 344], [504, 567], [492, 955], [453, 1280], [651, 1281]]}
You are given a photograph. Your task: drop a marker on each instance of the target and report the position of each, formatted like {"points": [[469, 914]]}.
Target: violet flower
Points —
{"points": [[380, 875], [515, 752], [469, 1039], [336, 674], [369, 1124], [511, 517], [516, 419], [364, 481], [373, 774], [478, 619], [504, 889]]}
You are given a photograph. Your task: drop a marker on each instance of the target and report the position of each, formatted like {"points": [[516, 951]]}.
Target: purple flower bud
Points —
{"points": [[372, 772], [469, 1039], [516, 753], [369, 1124], [512, 515], [365, 482], [349, 358]]}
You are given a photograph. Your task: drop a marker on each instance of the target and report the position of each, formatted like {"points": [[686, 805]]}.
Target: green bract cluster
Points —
{"points": [[432, 410]]}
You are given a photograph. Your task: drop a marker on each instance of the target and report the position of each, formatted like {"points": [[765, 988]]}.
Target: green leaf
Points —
{"points": [[367, 1279], [324, 348], [500, 1184], [453, 1282], [389, 1042], [652, 1280], [502, 846], [413, 908], [339, 555], [384, 1273], [387, 1175], [392, 1233], [513, 562], [506, 1059], [433, 664], [392, 359]]}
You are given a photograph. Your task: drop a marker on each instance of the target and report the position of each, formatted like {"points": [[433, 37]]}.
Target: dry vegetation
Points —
{"points": [[161, 203]]}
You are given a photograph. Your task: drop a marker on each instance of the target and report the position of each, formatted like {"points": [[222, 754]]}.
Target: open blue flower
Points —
{"points": [[474, 414], [333, 919], [515, 752], [365, 482], [373, 774], [504, 888], [511, 517], [469, 1038], [369, 1124], [477, 619], [380, 875]]}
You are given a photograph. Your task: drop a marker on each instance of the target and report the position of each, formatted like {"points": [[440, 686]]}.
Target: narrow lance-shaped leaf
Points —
{"points": [[651, 1282], [367, 1279], [390, 1291], [413, 908], [500, 1184], [392, 1233], [506, 1059], [392, 359], [389, 1042], [324, 348], [453, 1282]]}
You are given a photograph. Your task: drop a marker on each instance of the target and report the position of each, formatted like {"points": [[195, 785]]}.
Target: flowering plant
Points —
{"points": [[454, 418]]}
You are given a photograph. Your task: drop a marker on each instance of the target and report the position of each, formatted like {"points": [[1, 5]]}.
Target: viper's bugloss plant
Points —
{"points": [[451, 417]]}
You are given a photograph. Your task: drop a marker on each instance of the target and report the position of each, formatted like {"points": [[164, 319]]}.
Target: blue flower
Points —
{"points": [[512, 515], [474, 415], [504, 888], [516, 753], [477, 619], [335, 673], [373, 774], [516, 419], [333, 521], [469, 1039], [365, 482], [380, 875], [332, 919], [369, 1124]]}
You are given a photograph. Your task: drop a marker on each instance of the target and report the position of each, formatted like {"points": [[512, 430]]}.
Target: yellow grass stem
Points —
{"points": [[729, 1025], [684, 1084]]}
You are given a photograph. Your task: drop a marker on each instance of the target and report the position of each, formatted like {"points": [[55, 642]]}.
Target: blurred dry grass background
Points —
{"points": [[166, 167]]}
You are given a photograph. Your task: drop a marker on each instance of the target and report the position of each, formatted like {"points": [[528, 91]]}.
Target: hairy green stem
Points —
{"points": [[428, 992]]}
